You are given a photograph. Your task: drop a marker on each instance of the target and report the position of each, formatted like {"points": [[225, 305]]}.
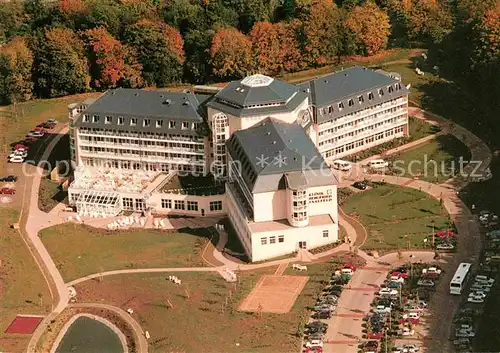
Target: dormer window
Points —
{"points": [[194, 126], [95, 119], [390, 89], [185, 125], [133, 121], [381, 92], [361, 99], [351, 102], [107, 120], [171, 124], [146, 123], [159, 123], [341, 105], [370, 96], [330, 109], [398, 86], [121, 121], [86, 118]]}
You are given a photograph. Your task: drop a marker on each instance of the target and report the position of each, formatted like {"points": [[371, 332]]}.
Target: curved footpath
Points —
{"points": [[468, 250]]}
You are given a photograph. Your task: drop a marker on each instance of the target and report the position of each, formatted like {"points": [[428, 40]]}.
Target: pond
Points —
{"points": [[86, 335]]}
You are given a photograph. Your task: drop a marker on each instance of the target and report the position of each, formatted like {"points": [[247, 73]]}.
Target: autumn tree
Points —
{"points": [[60, 66], [370, 26], [111, 63], [15, 71], [290, 56], [265, 47], [231, 53], [71, 6], [322, 36], [160, 50], [11, 19], [487, 33]]}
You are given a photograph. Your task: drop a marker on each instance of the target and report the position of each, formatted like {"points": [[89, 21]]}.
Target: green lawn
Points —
{"points": [[418, 129], [23, 289], [80, 250], [435, 161], [394, 216], [196, 324]]}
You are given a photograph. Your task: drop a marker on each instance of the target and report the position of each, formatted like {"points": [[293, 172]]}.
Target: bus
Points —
{"points": [[460, 277]]}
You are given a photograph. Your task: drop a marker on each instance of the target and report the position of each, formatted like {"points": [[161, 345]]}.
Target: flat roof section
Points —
{"points": [[271, 226]]}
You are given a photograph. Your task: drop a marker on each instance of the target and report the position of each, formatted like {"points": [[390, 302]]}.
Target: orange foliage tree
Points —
{"points": [[290, 53], [71, 6], [231, 53], [265, 47], [488, 29], [19, 62], [111, 62], [322, 38], [370, 26]]}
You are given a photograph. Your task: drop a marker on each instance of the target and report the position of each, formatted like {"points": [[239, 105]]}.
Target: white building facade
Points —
{"points": [[129, 144]]}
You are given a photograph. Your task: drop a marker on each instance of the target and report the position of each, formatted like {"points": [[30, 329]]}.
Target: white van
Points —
{"points": [[341, 165], [378, 163]]}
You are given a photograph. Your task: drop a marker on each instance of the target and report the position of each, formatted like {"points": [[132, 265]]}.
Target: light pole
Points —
{"points": [[433, 235]]}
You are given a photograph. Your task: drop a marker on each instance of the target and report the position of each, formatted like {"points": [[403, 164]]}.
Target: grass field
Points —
{"points": [[395, 216], [95, 250], [435, 161], [23, 289], [196, 324]]}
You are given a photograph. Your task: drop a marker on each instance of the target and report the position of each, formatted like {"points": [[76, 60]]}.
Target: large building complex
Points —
{"points": [[265, 141]]}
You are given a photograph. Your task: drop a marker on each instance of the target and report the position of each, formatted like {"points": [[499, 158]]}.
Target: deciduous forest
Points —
{"points": [[55, 48]]}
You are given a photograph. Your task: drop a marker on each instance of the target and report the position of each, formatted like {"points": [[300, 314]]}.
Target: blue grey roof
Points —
{"points": [[271, 150], [242, 98], [142, 104], [348, 84]]}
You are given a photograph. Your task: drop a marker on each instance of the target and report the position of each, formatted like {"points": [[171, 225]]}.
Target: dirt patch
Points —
{"points": [[274, 294]]}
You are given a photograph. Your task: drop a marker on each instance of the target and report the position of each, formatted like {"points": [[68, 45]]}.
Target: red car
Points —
{"points": [[7, 191], [351, 267], [376, 335], [314, 350], [39, 129], [400, 274], [20, 146]]}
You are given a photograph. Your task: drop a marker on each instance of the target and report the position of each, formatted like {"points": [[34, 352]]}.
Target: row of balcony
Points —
{"points": [[239, 200], [362, 113], [131, 157], [127, 135], [141, 147]]}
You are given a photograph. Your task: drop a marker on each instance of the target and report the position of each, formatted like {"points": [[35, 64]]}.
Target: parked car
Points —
{"points": [[370, 347], [375, 335], [20, 146], [317, 324], [22, 154], [484, 279], [35, 134], [411, 316], [445, 246], [52, 121], [401, 274], [316, 349], [411, 348], [478, 294], [426, 283], [9, 179], [382, 309], [322, 307], [388, 292], [476, 299], [16, 159], [361, 185], [314, 343], [7, 191], [323, 314], [464, 334]]}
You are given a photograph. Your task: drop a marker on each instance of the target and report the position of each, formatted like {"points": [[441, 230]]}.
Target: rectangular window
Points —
{"points": [[171, 124], [192, 205], [272, 240], [159, 123], [86, 118], [325, 234], [147, 123], [133, 121], [390, 89], [185, 125], [166, 203], [128, 203], [361, 99], [370, 96], [381, 92], [121, 121], [179, 204], [263, 241], [341, 106], [351, 102], [215, 205], [95, 119], [107, 120], [281, 238]]}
